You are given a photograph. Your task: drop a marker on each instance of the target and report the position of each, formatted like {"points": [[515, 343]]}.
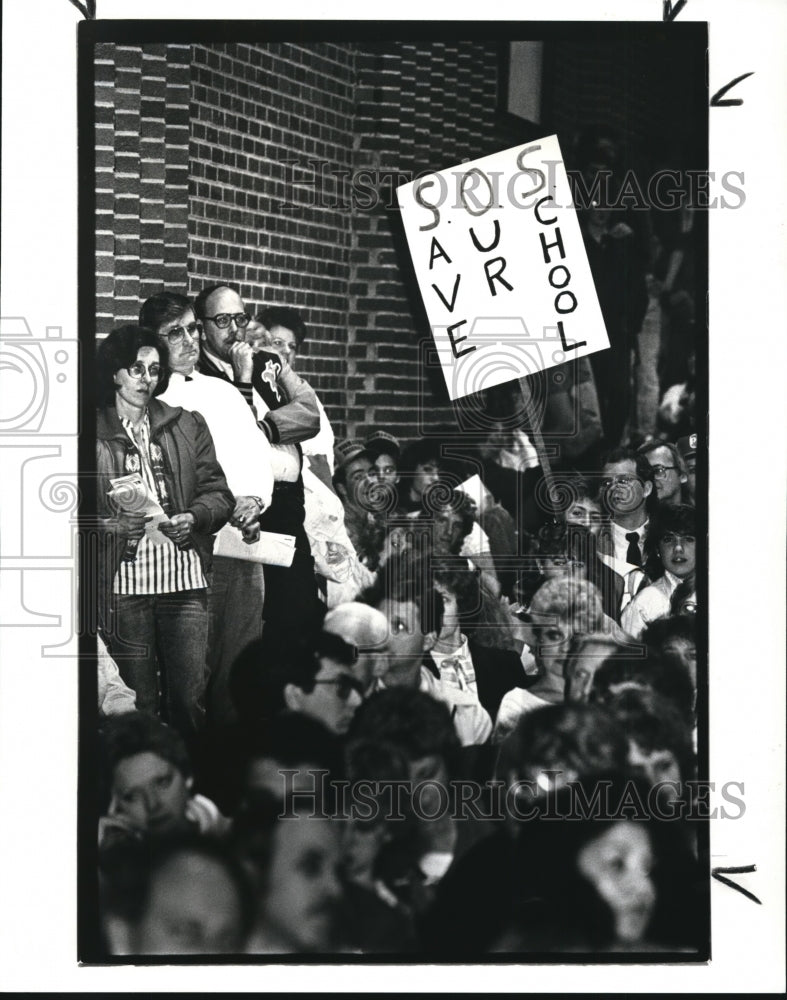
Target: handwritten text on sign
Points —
{"points": [[502, 267]]}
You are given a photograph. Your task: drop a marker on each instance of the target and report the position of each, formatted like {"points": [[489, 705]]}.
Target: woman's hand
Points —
{"points": [[131, 525], [178, 528]]}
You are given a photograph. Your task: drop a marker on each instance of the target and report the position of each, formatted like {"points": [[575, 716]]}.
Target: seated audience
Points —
{"points": [[561, 609], [405, 594], [148, 783], [183, 896], [672, 558]]}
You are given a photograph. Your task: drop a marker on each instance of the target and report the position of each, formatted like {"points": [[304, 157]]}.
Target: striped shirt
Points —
{"points": [[160, 567]]}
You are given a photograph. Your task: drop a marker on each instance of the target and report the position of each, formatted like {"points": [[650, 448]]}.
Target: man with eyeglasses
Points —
{"points": [[235, 598], [309, 673], [669, 471], [626, 494], [285, 407]]}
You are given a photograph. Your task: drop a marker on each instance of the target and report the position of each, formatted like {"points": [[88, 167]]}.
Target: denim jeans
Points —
{"points": [[235, 600], [164, 635]]}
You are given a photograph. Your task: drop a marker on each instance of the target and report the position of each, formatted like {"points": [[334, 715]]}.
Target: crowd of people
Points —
{"points": [[346, 687]]}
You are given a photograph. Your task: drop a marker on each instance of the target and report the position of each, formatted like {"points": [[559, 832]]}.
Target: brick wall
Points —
{"points": [[142, 165], [261, 116], [420, 107], [240, 163]]}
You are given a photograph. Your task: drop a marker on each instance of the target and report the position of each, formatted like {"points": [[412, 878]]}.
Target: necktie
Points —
{"points": [[632, 553]]}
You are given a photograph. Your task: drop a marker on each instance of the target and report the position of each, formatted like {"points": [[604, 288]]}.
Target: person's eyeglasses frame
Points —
{"points": [[177, 333], [345, 684], [223, 320], [145, 370]]}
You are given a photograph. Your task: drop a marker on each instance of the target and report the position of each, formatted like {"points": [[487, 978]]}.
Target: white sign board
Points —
{"points": [[501, 266]]}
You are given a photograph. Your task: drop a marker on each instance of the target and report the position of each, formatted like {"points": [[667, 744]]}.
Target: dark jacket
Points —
{"points": [[294, 416], [195, 479]]}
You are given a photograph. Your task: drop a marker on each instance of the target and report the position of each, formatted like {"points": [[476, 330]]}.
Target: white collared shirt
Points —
{"points": [[456, 667], [285, 459], [651, 603], [243, 450]]}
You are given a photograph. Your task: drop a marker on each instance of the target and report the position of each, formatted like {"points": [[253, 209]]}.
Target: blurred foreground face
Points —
{"points": [[303, 887], [618, 865], [335, 697], [150, 792], [193, 909], [657, 765], [685, 651]]}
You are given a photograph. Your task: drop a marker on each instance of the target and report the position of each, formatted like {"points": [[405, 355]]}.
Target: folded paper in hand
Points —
{"points": [[131, 496], [272, 548]]}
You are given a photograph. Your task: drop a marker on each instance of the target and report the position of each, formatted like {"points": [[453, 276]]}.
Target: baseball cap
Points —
{"points": [[381, 442], [687, 446], [346, 450]]}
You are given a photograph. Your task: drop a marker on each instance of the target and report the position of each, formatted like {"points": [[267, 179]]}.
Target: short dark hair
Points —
{"points": [[412, 721], [119, 350], [666, 676], [655, 723], [662, 630], [678, 518], [132, 733], [294, 738], [284, 316], [163, 308], [419, 452], [263, 670], [581, 737], [408, 580], [200, 303], [461, 581]]}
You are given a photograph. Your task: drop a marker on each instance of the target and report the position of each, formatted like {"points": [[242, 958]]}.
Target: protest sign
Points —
{"points": [[501, 266]]}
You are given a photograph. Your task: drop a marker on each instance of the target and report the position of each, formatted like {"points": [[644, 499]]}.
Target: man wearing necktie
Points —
{"points": [[627, 493]]}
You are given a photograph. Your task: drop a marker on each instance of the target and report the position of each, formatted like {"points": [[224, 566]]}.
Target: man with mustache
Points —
{"points": [[237, 589]]}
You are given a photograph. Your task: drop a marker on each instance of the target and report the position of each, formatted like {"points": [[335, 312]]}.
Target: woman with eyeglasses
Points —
{"points": [[152, 587]]}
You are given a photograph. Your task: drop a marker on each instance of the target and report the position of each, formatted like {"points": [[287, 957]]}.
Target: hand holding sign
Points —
{"points": [[501, 266]]}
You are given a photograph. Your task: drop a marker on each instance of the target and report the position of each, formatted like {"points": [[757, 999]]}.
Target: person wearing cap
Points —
{"points": [[687, 449], [285, 407], [353, 484]]}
